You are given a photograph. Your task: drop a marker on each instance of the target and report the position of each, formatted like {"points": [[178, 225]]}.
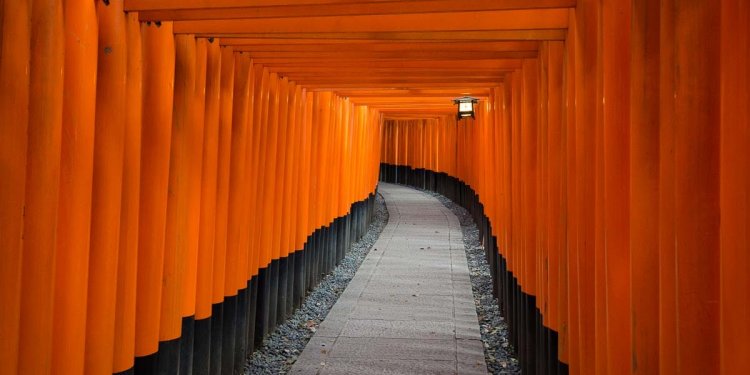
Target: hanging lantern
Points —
{"points": [[465, 107]]}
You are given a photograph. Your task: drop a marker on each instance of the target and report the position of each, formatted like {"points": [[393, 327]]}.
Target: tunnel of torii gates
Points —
{"points": [[176, 174]]}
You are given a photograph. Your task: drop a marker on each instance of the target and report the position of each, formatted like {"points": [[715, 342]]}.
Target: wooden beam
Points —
{"points": [[390, 84], [409, 86], [411, 112], [270, 57], [216, 12], [139, 5], [355, 77], [424, 46], [556, 18], [417, 64], [525, 34], [414, 93], [445, 100], [149, 5], [386, 71]]}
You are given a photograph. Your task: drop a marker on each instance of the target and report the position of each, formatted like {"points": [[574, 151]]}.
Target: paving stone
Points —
{"points": [[400, 329], [386, 348], [347, 366]]}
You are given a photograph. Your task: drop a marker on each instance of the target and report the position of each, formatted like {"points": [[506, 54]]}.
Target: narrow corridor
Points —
{"points": [[178, 176]]}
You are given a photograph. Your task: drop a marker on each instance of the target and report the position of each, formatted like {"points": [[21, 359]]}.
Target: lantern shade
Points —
{"points": [[465, 107]]}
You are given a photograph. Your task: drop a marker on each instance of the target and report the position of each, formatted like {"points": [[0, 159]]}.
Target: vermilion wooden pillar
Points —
{"points": [[644, 186], [207, 230], [128, 257], [735, 188], [616, 23], [76, 171], [243, 239], [195, 164], [696, 186], [158, 83], [554, 210], [529, 133], [223, 170], [176, 235], [107, 187], [40, 209], [667, 275], [506, 161], [15, 49], [281, 139], [321, 124], [295, 241], [569, 310], [259, 104], [206, 316], [514, 258], [263, 102], [241, 87], [542, 228], [266, 197], [307, 160], [253, 155], [585, 128]]}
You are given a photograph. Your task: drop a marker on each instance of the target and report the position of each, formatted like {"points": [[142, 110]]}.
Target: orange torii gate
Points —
{"points": [[175, 174]]}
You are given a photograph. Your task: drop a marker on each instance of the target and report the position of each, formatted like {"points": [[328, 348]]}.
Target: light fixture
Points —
{"points": [[465, 107]]}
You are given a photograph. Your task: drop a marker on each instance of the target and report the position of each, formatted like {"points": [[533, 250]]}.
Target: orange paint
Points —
{"points": [[15, 50], [644, 187], [255, 209], [616, 124], [196, 110], [696, 189], [109, 145], [76, 171], [207, 230], [734, 189], [35, 344], [606, 153], [223, 168], [158, 85], [277, 185], [127, 265], [176, 238]]}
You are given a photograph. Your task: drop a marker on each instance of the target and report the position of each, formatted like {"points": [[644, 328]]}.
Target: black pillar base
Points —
{"points": [[202, 347]]}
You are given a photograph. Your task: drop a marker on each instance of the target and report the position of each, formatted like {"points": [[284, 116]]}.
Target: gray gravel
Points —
{"points": [[498, 351], [281, 349]]}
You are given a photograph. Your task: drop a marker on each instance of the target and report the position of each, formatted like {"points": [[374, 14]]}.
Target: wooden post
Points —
{"points": [[616, 127], [76, 172], [197, 108], [158, 83], [259, 104], [128, 258], [35, 344], [667, 276], [107, 186], [176, 236], [15, 50], [735, 187], [223, 169], [696, 187], [644, 186], [209, 178]]}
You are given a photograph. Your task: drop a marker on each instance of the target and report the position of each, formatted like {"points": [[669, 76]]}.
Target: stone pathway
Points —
{"points": [[409, 308]]}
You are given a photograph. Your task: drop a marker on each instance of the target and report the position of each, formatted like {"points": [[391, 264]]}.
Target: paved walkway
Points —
{"points": [[409, 308]]}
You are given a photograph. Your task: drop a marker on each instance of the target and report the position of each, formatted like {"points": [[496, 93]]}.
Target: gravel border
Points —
{"points": [[281, 349], [498, 351]]}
